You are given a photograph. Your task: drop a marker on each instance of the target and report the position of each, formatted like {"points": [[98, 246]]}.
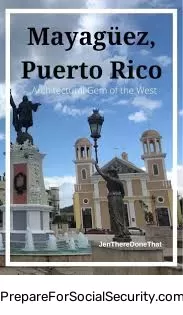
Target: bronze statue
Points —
{"points": [[115, 203], [22, 117]]}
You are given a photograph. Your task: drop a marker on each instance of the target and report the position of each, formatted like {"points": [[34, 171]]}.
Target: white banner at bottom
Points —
{"points": [[90, 294]]}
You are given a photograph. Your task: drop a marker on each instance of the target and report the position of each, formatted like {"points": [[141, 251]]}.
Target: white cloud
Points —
{"points": [[2, 136], [181, 112], [164, 61], [122, 102], [72, 111], [146, 106], [146, 103], [179, 178], [138, 116], [66, 188], [144, 52]]}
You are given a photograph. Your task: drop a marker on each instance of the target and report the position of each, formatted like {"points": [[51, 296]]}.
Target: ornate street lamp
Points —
{"points": [[95, 122]]}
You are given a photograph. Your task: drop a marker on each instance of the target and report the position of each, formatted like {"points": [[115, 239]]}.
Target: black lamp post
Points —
{"points": [[95, 122]]}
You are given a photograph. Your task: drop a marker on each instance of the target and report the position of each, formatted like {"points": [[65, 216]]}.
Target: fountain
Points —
{"points": [[52, 242], [29, 244], [74, 235], [1, 243], [66, 238], [71, 244], [82, 241]]}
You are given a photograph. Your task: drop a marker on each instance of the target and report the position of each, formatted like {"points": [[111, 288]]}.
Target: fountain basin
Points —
{"points": [[65, 245]]}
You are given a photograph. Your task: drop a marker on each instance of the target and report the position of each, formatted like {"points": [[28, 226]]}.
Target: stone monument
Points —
{"points": [[29, 209]]}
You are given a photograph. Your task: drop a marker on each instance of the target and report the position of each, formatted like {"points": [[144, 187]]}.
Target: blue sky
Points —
{"points": [[62, 119]]}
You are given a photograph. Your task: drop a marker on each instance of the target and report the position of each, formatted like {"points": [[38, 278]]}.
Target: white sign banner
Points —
{"points": [[90, 295]]}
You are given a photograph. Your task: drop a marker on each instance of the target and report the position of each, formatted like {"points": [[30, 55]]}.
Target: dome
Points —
{"points": [[82, 142], [150, 134]]}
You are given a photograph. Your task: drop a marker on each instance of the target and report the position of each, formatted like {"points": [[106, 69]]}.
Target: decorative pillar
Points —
{"points": [[129, 187], [148, 148], [132, 214], [144, 147], [156, 145], [144, 188], [98, 221], [131, 204]]}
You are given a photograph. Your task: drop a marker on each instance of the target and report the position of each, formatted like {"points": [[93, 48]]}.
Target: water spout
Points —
{"points": [[71, 244], [82, 241], [1, 243], [29, 244], [52, 242], [66, 238]]}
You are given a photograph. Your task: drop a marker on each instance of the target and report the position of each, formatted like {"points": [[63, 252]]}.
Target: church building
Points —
{"points": [[146, 192]]}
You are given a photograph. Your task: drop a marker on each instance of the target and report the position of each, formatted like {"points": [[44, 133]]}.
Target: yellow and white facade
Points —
{"points": [[144, 190]]}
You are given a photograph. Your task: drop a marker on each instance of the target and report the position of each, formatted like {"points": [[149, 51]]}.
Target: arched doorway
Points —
{"points": [[87, 218], [162, 217]]}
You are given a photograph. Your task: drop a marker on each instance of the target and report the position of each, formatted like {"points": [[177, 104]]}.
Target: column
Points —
{"points": [[79, 153], [164, 169], [129, 187], [132, 214], [98, 221], [148, 146], [157, 145], [144, 147], [144, 187]]}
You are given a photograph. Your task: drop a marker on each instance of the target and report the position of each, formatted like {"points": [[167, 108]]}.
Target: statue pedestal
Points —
{"points": [[135, 235], [122, 239], [29, 209]]}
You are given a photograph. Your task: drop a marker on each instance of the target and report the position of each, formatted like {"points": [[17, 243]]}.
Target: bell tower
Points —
{"points": [[153, 156], [83, 190], [83, 161], [158, 186]]}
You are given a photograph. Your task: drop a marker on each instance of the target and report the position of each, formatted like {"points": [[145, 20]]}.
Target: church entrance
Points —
{"points": [[162, 217], [87, 218]]}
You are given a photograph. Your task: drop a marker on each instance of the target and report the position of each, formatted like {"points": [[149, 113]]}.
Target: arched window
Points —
{"points": [[152, 147], [158, 146], [145, 147], [155, 169], [88, 151], [82, 152], [83, 173]]}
